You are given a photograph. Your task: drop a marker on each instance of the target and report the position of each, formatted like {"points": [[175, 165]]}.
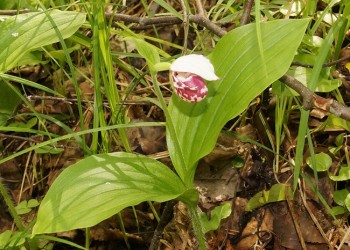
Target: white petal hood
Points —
{"points": [[195, 64]]}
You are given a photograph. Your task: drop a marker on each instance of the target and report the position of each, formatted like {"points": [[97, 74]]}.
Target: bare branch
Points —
{"points": [[13, 12], [74, 100], [311, 100], [200, 7], [246, 12], [185, 24], [205, 22], [325, 65], [198, 19]]}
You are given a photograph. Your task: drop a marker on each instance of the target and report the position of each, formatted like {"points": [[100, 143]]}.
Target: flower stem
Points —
{"points": [[192, 207], [11, 207], [169, 122], [197, 226]]}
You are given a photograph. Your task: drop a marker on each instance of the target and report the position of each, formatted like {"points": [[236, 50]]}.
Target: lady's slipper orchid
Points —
{"points": [[188, 73]]}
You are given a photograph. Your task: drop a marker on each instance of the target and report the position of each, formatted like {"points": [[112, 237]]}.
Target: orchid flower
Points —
{"points": [[188, 74]]}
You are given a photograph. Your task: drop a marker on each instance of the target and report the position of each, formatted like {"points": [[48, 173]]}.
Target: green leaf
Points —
{"points": [[25, 207], [162, 66], [217, 214], [340, 196], [302, 74], [238, 63], [31, 58], [276, 193], [49, 149], [7, 77], [169, 8], [33, 203], [22, 33], [99, 186], [347, 202], [338, 210], [325, 81], [147, 50], [9, 101], [5, 238], [322, 160], [335, 122], [24, 124], [9, 240], [344, 174], [339, 140]]}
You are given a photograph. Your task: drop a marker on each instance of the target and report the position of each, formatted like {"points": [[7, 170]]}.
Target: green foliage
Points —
{"points": [[49, 149], [335, 122], [9, 240], [24, 240], [24, 124], [25, 207], [19, 36], [148, 51], [103, 185], [278, 192], [335, 34], [338, 210], [248, 59], [340, 196], [216, 215], [343, 175], [124, 179], [325, 83], [238, 63], [342, 199], [9, 101], [322, 162], [169, 8], [25, 32]]}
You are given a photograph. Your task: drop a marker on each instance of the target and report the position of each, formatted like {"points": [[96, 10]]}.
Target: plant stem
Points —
{"points": [[197, 225], [11, 207], [192, 208], [169, 122]]}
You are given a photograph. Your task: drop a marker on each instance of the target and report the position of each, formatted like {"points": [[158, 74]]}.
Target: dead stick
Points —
{"points": [[343, 59], [311, 100], [164, 220], [296, 224], [246, 12]]}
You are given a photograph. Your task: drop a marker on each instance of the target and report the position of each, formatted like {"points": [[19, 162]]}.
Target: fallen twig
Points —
{"points": [[164, 220], [312, 100], [325, 65], [245, 19], [161, 20]]}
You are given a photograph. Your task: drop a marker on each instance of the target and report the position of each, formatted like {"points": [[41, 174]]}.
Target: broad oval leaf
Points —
{"points": [[99, 186], [244, 73], [338, 210], [343, 175], [322, 160], [147, 50], [278, 192], [216, 215], [347, 202], [25, 32], [340, 196]]}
